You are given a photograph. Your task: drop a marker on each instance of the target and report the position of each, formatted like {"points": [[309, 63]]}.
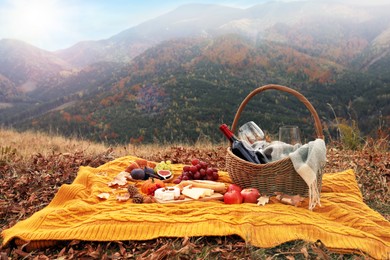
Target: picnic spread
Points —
{"points": [[343, 223]]}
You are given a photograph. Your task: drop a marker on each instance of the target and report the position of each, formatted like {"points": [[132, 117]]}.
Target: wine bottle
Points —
{"points": [[261, 156], [238, 147]]}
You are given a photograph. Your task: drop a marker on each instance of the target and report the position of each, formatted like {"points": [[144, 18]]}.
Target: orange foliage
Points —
{"points": [[121, 84], [90, 121], [66, 116], [136, 88], [229, 51], [105, 102], [77, 118], [137, 140]]}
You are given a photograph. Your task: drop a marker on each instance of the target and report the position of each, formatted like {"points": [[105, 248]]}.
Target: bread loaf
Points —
{"points": [[216, 186]]}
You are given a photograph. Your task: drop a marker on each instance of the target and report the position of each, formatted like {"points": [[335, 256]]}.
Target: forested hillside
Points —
{"points": [[173, 79], [181, 90]]}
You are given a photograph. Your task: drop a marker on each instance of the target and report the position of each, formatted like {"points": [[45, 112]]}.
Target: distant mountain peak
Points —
{"points": [[22, 63]]}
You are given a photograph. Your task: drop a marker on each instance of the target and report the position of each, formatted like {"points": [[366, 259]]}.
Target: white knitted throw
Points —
{"points": [[308, 161]]}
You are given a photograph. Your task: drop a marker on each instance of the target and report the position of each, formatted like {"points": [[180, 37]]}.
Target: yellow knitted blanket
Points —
{"points": [[343, 223]]}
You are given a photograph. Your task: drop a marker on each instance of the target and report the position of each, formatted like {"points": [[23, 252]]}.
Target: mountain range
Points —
{"points": [[178, 76]]}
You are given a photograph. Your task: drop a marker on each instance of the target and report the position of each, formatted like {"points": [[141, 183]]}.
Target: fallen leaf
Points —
{"points": [[320, 250], [103, 195], [295, 200], [124, 174], [120, 179], [263, 200], [123, 198], [305, 252]]}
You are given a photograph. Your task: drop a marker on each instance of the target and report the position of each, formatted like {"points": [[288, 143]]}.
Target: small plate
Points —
{"points": [[131, 179], [169, 179]]}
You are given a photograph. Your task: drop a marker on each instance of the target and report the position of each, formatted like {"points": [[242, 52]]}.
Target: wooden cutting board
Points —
{"points": [[215, 196]]}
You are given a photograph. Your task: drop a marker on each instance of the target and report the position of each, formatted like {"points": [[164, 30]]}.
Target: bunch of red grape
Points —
{"points": [[198, 170]]}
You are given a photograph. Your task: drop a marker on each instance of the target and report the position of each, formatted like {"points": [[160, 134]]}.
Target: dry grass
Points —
{"points": [[31, 142]]}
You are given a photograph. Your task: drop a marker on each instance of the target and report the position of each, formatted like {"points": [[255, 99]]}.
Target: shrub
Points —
{"points": [[350, 136]]}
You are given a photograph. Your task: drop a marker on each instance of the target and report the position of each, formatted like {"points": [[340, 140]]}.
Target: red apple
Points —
{"points": [[234, 187], [232, 197], [250, 195]]}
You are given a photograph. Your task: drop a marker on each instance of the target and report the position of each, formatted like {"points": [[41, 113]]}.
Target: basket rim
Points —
{"points": [[299, 96], [261, 165]]}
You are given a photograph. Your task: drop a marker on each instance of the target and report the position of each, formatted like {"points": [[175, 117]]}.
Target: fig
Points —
{"points": [[137, 174], [164, 174], [149, 172]]}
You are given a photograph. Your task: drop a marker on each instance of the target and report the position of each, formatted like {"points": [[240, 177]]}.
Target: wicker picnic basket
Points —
{"points": [[276, 176]]}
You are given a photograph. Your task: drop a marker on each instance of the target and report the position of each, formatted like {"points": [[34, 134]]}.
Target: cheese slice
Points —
{"points": [[169, 193], [208, 192], [196, 193]]}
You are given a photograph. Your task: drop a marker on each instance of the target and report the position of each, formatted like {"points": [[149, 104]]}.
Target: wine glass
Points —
{"points": [[251, 133], [289, 134]]}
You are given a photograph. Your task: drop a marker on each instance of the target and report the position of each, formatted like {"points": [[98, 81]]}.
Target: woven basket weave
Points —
{"points": [[277, 176]]}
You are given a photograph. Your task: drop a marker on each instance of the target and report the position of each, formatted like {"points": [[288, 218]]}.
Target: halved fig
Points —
{"points": [[165, 174]]}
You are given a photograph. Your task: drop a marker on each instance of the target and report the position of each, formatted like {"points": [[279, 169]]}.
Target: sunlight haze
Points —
{"points": [[58, 24]]}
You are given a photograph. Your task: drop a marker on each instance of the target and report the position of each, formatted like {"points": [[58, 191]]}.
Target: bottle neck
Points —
{"points": [[229, 134]]}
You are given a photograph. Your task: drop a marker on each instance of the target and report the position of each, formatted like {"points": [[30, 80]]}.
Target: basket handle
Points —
{"points": [[298, 95]]}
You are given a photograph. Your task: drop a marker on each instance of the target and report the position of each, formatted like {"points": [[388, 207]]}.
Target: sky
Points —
{"points": [[59, 24]]}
